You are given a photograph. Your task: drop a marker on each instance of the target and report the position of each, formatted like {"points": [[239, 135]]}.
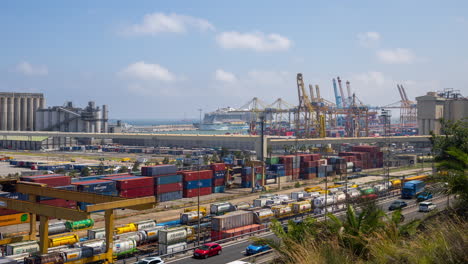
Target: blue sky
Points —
{"points": [[166, 59]]}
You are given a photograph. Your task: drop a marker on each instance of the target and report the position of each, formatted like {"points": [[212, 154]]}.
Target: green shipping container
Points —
{"points": [[77, 225], [367, 191], [259, 176], [272, 160]]}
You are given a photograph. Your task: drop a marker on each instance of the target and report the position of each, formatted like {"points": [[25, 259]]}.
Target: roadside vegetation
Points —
{"points": [[369, 235]]}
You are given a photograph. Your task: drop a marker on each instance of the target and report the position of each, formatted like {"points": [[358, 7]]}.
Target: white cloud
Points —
{"points": [[28, 69], [156, 23], [146, 71], [368, 39], [370, 78], [257, 41], [396, 56], [225, 76]]}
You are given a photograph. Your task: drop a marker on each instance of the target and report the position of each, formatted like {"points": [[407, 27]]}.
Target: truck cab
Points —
{"points": [[424, 196]]}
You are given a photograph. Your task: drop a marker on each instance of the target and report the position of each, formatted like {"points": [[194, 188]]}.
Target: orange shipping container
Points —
{"points": [[14, 219]]}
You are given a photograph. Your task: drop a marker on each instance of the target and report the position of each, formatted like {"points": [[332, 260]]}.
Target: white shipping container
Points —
{"points": [[297, 195], [19, 258], [172, 236], [320, 201], [232, 220], [270, 181], [170, 249], [242, 206], [281, 211], [131, 236], [301, 207], [353, 194], [123, 245], [152, 233], [266, 196], [145, 224], [237, 180], [72, 254], [189, 217], [340, 197], [97, 233], [22, 247], [57, 228], [282, 197], [260, 202], [98, 245], [218, 208], [263, 214], [349, 165]]}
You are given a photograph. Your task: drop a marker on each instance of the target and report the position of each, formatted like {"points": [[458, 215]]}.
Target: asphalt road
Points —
{"points": [[234, 250]]}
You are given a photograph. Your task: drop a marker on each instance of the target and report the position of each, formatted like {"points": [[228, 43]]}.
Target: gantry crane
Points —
{"points": [[97, 203], [305, 112], [408, 116]]}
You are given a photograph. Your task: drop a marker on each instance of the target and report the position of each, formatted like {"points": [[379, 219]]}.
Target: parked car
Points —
{"points": [[426, 206], [255, 248], [150, 260], [424, 196], [397, 205], [207, 250]]}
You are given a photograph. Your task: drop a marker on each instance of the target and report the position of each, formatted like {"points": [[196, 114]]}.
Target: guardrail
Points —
{"points": [[383, 196]]}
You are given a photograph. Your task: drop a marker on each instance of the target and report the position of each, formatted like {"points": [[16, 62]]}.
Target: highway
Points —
{"points": [[234, 250]]}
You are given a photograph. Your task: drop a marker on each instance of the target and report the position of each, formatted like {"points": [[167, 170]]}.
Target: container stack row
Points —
{"points": [[197, 183], [219, 177], [168, 184], [228, 225], [132, 186]]}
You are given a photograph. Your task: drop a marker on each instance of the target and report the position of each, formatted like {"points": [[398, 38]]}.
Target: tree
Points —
{"points": [[85, 171], [215, 157], [224, 152], [450, 151], [123, 169], [136, 166], [100, 169]]}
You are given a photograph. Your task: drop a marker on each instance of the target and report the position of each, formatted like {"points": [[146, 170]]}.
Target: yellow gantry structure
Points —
{"points": [[99, 202]]}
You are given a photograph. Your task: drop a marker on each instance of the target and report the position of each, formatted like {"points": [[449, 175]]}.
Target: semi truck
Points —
{"points": [[412, 189]]}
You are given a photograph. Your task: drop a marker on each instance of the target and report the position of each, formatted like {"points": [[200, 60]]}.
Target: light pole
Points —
{"points": [[198, 206], [199, 124], [386, 115]]}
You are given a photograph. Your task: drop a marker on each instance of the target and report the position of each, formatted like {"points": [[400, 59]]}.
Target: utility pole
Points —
{"points": [[198, 205], [386, 115]]}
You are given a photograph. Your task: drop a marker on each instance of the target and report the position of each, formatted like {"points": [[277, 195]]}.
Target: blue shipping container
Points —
{"points": [[167, 179], [246, 171], [277, 167], [218, 189], [170, 196], [246, 184], [194, 184], [88, 178], [163, 169], [101, 187]]}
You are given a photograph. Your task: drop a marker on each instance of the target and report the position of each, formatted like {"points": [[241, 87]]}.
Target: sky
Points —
{"points": [[167, 59]]}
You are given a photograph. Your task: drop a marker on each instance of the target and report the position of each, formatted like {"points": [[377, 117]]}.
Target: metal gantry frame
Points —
{"points": [[98, 203]]}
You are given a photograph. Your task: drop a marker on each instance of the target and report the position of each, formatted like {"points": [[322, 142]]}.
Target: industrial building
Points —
{"points": [[68, 118], [18, 110], [448, 104], [35, 142]]}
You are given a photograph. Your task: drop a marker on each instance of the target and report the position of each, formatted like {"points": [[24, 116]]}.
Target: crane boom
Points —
{"points": [[311, 89], [317, 89], [337, 96], [341, 91], [348, 87]]}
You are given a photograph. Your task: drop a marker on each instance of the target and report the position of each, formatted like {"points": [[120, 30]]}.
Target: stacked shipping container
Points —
{"points": [[219, 177], [132, 187], [167, 183], [232, 223], [197, 182]]}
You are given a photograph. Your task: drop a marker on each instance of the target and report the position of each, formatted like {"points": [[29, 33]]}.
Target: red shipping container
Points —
{"points": [[52, 181], [218, 166], [219, 182], [193, 175], [134, 183], [137, 192], [171, 187], [305, 157], [316, 157], [23, 178], [194, 192], [4, 211]]}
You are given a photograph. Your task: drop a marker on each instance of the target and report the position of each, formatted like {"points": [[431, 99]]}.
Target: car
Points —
{"points": [[426, 206], [424, 196], [397, 205], [207, 250], [255, 248], [150, 260]]}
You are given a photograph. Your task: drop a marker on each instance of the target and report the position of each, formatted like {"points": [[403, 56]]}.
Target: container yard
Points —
{"points": [[220, 220]]}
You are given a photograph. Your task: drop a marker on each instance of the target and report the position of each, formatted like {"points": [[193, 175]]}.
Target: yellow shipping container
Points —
{"points": [[60, 240], [14, 219], [312, 189], [126, 229]]}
